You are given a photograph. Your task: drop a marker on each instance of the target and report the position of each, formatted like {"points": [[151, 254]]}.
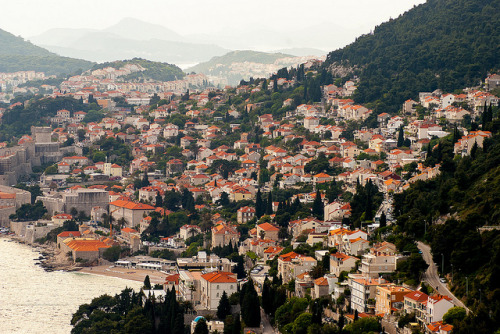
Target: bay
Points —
{"points": [[35, 301]]}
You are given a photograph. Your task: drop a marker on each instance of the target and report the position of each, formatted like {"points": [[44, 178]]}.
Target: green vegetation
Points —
{"points": [[468, 190], [447, 44], [127, 313], [18, 120], [16, 54], [112, 254], [154, 70], [29, 212]]}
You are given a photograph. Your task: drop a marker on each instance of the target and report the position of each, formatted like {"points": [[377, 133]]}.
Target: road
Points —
{"points": [[431, 276], [265, 324]]}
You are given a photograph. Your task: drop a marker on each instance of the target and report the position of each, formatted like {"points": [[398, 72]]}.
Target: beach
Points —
{"points": [[138, 275]]}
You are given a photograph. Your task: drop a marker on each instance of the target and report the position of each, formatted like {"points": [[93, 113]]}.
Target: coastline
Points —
{"points": [[52, 259]]}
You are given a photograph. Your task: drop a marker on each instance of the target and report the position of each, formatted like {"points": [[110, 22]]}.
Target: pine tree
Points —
{"points": [[318, 208], [259, 205], [224, 308]]}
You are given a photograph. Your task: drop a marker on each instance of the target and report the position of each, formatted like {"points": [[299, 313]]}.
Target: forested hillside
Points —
{"points": [[448, 212], [154, 70], [447, 44], [16, 54]]}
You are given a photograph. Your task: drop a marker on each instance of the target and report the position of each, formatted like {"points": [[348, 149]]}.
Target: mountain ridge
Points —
{"points": [[17, 54]]}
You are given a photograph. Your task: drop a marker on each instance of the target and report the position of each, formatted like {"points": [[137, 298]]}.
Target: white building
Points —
{"points": [[213, 285]]}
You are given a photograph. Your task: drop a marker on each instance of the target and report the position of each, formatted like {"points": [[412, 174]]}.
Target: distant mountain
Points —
{"points": [[301, 52], [130, 28], [236, 65], [445, 44], [16, 54], [323, 35], [59, 36], [128, 39]]}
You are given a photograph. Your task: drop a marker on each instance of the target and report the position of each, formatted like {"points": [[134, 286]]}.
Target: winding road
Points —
{"points": [[431, 275]]}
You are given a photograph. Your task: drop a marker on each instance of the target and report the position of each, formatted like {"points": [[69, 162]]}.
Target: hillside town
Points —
{"points": [[291, 189]]}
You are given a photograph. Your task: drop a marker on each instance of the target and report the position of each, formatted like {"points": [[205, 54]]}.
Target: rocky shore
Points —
{"points": [[51, 258]]}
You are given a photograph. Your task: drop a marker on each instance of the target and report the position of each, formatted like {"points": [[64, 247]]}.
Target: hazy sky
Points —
{"points": [[31, 17]]}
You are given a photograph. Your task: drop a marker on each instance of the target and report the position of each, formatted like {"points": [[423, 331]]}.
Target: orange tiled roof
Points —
{"points": [[131, 205], [219, 277]]}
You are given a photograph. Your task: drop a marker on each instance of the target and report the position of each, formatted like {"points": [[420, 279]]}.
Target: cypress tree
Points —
{"points": [[147, 283], [267, 297], [473, 150], [224, 308], [484, 118], [228, 324], [317, 312], [201, 327], [259, 205], [383, 220], [236, 325], [455, 135], [145, 179], [158, 200], [318, 208], [250, 308], [401, 137], [269, 207]]}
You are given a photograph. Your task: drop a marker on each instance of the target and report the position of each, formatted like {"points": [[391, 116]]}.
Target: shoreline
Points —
{"points": [[52, 259]]}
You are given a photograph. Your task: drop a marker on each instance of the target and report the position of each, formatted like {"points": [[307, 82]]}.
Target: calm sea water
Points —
{"points": [[35, 301]]}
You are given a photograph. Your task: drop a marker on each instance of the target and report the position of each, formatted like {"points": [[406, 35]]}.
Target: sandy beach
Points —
{"points": [[155, 277]]}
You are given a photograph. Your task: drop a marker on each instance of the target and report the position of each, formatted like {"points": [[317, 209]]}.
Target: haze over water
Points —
{"points": [[35, 301]]}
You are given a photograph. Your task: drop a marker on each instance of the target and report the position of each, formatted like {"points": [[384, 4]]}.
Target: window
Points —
{"points": [[217, 287], [217, 295]]}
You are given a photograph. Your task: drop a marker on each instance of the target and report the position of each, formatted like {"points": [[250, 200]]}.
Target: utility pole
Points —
{"points": [[467, 286], [442, 264]]}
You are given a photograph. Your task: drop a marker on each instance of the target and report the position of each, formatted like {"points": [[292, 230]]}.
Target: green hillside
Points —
{"points": [[447, 44], [154, 70], [16, 54], [448, 212]]}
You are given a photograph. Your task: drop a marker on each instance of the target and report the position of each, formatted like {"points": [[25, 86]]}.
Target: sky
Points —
{"points": [[29, 18]]}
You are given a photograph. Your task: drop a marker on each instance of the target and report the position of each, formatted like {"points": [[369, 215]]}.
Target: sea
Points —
{"points": [[35, 301]]}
